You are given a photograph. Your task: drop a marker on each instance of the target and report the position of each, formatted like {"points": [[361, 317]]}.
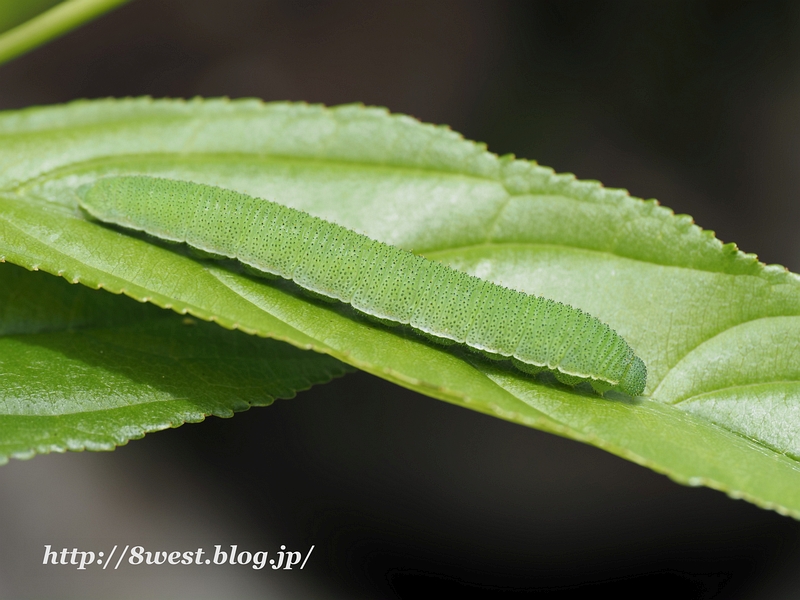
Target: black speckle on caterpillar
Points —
{"points": [[384, 282]]}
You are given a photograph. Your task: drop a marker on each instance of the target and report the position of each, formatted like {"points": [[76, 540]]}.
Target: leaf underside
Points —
{"points": [[87, 370], [716, 328]]}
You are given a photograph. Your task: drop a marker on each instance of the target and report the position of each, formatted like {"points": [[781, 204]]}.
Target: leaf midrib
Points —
{"points": [[192, 157], [755, 384]]}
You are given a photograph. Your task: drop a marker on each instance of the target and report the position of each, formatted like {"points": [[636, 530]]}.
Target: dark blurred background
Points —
{"points": [[694, 103]]}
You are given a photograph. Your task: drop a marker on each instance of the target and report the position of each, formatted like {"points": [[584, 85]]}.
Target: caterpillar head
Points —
{"points": [[635, 378]]}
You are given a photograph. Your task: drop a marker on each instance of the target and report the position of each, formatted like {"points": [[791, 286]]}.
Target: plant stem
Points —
{"points": [[51, 24]]}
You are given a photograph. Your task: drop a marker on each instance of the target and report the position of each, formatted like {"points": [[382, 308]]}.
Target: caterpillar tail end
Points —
{"points": [[83, 190], [635, 378]]}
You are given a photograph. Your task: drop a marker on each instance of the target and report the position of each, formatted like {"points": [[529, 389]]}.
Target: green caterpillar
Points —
{"points": [[382, 281]]}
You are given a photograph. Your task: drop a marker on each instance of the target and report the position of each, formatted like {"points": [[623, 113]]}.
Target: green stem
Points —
{"points": [[51, 24]]}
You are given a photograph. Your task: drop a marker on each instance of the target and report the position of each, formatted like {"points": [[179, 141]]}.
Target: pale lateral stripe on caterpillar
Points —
{"points": [[382, 281]]}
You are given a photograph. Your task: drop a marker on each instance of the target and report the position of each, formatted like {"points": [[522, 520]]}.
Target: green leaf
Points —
{"points": [[19, 35], [721, 405], [82, 370]]}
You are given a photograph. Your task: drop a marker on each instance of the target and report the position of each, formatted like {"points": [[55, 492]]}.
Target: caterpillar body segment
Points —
{"points": [[382, 281]]}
